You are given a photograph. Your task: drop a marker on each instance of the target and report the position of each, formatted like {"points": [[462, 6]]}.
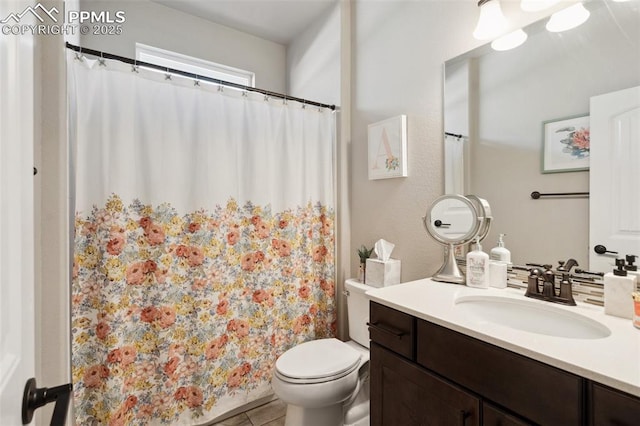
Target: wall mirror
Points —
{"points": [[454, 220], [495, 104]]}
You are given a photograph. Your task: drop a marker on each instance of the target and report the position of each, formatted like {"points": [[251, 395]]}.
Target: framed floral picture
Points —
{"points": [[566, 144], [388, 148]]}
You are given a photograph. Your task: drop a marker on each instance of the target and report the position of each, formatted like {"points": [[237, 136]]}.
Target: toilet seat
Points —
{"points": [[317, 361]]}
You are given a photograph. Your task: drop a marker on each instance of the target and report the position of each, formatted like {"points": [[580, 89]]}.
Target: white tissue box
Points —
{"points": [[382, 273]]}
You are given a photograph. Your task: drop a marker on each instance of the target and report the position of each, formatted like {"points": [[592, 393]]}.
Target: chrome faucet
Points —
{"points": [[542, 283]]}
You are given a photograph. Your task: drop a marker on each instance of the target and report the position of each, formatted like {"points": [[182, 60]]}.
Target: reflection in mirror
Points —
{"points": [[495, 104], [455, 220]]}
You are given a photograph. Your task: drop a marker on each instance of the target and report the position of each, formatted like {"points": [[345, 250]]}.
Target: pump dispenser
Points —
{"points": [[618, 289], [500, 252], [477, 267]]}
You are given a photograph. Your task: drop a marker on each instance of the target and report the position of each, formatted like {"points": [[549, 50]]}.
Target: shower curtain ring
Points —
{"points": [[101, 61], [196, 82]]}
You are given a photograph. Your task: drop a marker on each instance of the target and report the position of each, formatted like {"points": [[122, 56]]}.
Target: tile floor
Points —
{"points": [[269, 414]]}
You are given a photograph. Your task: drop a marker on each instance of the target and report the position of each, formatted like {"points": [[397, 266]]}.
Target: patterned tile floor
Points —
{"points": [[269, 414]]}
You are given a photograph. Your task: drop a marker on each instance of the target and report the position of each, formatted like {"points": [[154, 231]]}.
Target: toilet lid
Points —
{"points": [[318, 359]]}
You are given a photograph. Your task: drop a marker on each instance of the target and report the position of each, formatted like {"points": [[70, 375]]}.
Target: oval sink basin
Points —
{"points": [[533, 317]]}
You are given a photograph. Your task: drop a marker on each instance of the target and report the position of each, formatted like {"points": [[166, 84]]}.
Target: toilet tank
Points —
{"points": [[358, 311]]}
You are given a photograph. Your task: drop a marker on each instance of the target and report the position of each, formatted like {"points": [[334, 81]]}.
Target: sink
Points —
{"points": [[531, 316]]}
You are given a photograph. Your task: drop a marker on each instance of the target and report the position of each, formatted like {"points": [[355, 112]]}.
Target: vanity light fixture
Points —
{"points": [[509, 41], [491, 22], [568, 18], [536, 5]]}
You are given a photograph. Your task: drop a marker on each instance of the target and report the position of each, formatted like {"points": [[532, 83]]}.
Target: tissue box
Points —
{"points": [[382, 273]]}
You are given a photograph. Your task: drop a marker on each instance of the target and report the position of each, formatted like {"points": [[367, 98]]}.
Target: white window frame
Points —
{"points": [[178, 61]]}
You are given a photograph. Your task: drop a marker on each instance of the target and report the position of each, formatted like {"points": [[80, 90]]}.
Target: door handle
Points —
{"points": [[34, 398], [600, 249]]}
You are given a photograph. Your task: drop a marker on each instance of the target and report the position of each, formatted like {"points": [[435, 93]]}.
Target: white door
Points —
{"points": [[16, 218], [614, 177]]}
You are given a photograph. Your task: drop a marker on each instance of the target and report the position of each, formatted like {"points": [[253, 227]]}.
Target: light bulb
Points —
{"points": [[568, 18], [509, 41], [492, 22]]}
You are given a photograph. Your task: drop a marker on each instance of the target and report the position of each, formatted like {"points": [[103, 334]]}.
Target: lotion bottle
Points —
{"points": [[618, 290], [500, 252], [478, 267]]}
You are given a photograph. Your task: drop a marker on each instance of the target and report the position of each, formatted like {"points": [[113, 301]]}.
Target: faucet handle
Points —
{"points": [[566, 290]]}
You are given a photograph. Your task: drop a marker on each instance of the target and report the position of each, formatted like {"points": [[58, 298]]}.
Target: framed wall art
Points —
{"points": [[388, 148], [566, 144]]}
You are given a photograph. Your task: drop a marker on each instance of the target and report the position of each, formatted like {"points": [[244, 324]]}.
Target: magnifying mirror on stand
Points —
{"points": [[454, 220]]}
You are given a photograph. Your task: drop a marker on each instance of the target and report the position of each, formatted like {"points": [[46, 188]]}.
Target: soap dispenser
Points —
{"points": [[500, 252], [477, 267], [618, 289]]}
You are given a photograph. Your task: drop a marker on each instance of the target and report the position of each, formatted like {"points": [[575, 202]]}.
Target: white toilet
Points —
{"points": [[325, 382]]}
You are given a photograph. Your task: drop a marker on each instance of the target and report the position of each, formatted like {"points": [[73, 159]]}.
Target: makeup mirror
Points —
{"points": [[456, 220]]}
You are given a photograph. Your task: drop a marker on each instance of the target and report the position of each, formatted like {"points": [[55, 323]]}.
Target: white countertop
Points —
{"points": [[612, 360]]}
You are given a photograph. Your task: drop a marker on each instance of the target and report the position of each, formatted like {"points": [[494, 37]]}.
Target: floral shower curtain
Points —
{"points": [[204, 242]]}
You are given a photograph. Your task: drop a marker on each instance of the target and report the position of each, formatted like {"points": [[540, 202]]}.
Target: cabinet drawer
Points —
{"points": [[392, 329], [612, 407], [538, 392]]}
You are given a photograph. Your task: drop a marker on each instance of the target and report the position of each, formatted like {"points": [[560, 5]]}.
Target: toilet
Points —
{"points": [[325, 382]]}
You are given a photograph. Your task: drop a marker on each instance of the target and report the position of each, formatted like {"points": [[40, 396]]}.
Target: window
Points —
{"points": [[169, 59]]}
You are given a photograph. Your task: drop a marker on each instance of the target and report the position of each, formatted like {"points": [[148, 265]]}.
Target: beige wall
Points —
{"points": [[313, 60], [52, 220]]}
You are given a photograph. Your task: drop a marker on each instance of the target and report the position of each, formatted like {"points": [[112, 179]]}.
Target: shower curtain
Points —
{"points": [[203, 246]]}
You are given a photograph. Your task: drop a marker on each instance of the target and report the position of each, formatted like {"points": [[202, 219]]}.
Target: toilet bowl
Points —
{"points": [[316, 379], [325, 382]]}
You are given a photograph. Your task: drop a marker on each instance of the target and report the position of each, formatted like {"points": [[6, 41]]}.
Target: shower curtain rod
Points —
{"points": [[135, 62]]}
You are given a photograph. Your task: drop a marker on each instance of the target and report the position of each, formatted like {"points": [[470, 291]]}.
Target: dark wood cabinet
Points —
{"points": [[494, 416], [404, 394], [426, 374], [536, 391], [611, 407]]}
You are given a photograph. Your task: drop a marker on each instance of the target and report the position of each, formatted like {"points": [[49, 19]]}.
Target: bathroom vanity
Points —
{"points": [[435, 361]]}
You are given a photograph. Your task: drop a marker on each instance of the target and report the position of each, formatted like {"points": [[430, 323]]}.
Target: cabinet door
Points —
{"points": [[493, 416], [612, 407], [405, 394]]}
